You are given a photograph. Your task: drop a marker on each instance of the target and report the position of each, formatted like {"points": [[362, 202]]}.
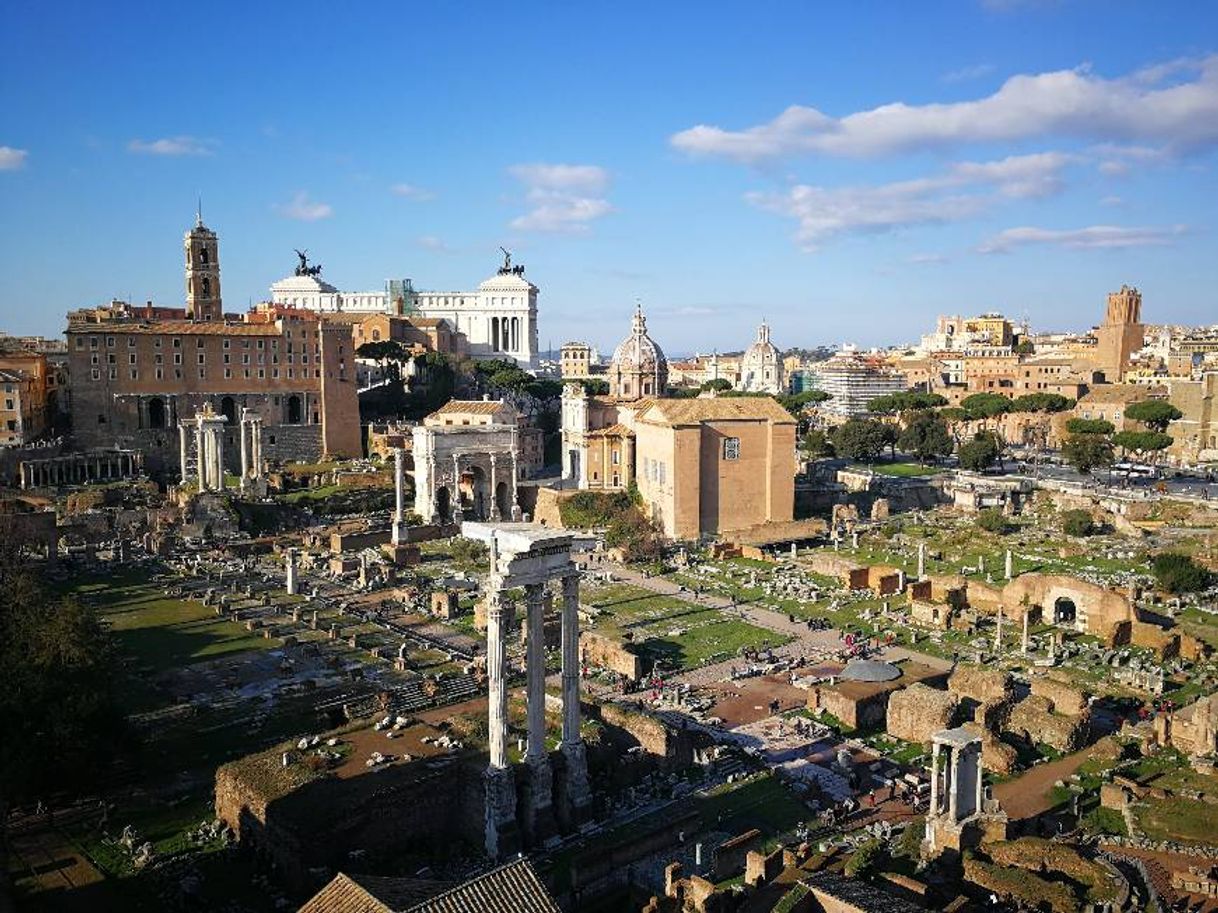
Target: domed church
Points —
{"points": [[639, 367], [761, 368], [701, 466]]}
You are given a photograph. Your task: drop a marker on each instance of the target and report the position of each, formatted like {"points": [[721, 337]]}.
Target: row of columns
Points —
{"points": [[79, 468], [500, 792], [945, 794]]}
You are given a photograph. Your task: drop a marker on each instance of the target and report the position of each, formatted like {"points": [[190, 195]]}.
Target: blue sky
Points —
{"points": [[848, 171]]}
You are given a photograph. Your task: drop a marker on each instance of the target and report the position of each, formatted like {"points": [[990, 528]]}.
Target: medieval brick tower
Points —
{"points": [[202, 273], [1121, 334]]}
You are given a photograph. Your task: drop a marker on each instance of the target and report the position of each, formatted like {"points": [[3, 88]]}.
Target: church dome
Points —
{"points": [[638, 351], [761, 367], [639, 367]]}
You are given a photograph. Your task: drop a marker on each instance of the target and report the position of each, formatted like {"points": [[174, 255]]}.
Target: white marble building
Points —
{"points": [[761, 368], [499, 318]]}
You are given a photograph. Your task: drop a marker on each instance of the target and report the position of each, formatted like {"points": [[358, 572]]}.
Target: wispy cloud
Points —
{"points": [[303, 209], [562, 198], [964, 74], [927, 259], [412, 192], [434, 244], [963, 191], [12, 159], [173, 145], [1174, 104], [1112, 200], [1094, 237]]}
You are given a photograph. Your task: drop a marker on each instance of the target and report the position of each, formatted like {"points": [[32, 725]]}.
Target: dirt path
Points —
{"points": [[1028, 795]]}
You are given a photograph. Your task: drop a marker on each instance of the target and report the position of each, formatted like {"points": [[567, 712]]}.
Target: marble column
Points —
{"points": [[1025, 630], [578, 790], [921, 560], [494, 513], [952, 783], [537, 757], [935, 774], [183, 451], [500, 789], [1010, 565], [242, 430], [220, 458], [292, 583], [200, 460], [399, 493]]}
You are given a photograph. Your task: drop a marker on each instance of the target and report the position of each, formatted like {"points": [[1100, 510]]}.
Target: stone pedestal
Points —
{"points": [[402, 555], [502, 833]]}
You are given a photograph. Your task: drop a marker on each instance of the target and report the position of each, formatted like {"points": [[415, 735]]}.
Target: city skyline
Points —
{"points": [[1031, 170]]}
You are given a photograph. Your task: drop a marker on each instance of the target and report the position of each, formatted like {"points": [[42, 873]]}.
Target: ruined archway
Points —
{"points": [[503, 500], [1064, 611], [443, 504], [228, 408]]}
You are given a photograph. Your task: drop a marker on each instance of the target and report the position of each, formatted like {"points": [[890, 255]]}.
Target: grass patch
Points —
{"points": [[762, 802]]}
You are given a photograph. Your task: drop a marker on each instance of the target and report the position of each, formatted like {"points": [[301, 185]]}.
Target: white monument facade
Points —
{"points": [[499, 318]]}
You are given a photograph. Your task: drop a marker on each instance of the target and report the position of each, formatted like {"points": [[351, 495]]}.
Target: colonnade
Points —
{"points": [[79, 468]]}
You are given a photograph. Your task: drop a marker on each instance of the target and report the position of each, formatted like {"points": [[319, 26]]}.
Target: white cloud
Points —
{"points": [[965, 190], [11, 159], [1112, 200], [173, 145], [1094, 237], [412, 192], [562, 198], [304, 209], [964, 74], [1146, 105], [927, 259]]}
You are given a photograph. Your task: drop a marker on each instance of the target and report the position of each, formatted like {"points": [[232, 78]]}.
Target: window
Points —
{"points": [[228, 373], [177, 343], [109, 342], [226, 342], [131, 358], [80, 342], [731, 448], [96, 374], [130, 342]]}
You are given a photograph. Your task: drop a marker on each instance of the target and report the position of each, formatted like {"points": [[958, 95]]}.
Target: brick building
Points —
{"points": [[135, 373]]}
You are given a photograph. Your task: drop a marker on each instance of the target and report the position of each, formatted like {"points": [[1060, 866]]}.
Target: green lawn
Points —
{"points": [[164, 632], [763, 803], [1184, 820], [904, 470], [704, 637]]}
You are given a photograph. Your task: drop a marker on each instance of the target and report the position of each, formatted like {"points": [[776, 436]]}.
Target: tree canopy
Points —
{"points": [[1041, 402], [892, 403], [817, 444], [719, 384], [1142, 443], [1086, 452], [1155, 414], [925, 436], [980, 453], [862, 439], [1090, 426], [985, 405], [60, 724]]}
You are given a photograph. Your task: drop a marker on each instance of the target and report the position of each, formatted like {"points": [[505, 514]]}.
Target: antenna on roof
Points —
{"points": [[199, 212]]}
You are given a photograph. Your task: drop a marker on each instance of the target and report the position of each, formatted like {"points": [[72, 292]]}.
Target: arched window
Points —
{"points": [[203, 255], [228, 408], [376, 335], [206, 287]]}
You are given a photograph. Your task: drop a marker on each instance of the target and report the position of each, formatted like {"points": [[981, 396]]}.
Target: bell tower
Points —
{"points": [[202, 272]]}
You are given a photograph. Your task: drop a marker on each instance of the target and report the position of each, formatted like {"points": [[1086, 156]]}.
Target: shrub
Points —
{"points": [[1177, 573], [865, 859], [992, 520], [586, 509], [637, 537], [1078, 523]]}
